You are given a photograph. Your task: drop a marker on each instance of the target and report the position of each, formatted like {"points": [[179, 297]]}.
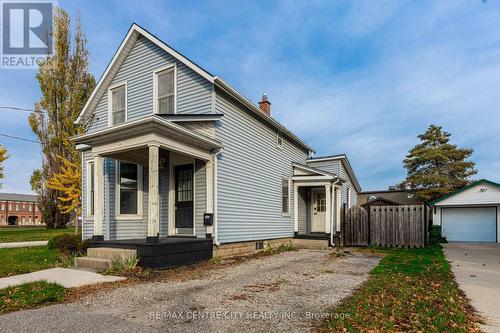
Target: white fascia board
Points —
{"points": [[139, 30], [245, 101], [348, 166]]}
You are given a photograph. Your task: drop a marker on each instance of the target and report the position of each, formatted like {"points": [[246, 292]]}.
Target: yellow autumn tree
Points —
{"points": [[68, 183], [3, 157]]}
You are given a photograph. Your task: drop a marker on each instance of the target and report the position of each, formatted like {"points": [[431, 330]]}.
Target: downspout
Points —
{"points": [[216, 213], [332, 227]]}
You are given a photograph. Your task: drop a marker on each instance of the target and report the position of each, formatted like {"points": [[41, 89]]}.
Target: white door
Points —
{"points": [[319, 210], [469, 224]]}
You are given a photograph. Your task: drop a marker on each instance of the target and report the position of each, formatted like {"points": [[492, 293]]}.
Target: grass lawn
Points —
{"points": [[26, 259], [31, 234], [30, 295], [411, 290]]}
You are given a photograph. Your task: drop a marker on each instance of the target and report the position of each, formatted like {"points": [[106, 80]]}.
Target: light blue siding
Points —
{"points": [[114, 228], [87, 223], [200, 198], [250, 173], [194, 93], [336, 167]]}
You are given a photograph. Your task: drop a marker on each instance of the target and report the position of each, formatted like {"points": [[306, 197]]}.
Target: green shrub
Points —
{"points": [[435, 235], [65, 243], [83, 246]]}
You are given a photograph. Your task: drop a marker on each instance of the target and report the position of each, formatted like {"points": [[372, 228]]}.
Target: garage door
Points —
{"points": [[469, 224]]}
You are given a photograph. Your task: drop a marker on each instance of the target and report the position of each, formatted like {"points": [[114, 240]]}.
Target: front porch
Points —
{"points": [[147, 183], [317, 203], [166, 252]]}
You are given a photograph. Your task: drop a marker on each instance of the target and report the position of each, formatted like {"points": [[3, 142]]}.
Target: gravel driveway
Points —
{"points": [[287, 292]]}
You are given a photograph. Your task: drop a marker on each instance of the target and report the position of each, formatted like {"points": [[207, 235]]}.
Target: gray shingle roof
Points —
{"points": [[18, 197]]}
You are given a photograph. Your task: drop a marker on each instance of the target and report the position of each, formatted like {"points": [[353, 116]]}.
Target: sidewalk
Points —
{"points": [[66, 277], [22, 244]]}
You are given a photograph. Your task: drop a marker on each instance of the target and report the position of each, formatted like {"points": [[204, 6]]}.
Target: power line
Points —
{"points": [[18, 138], [13, 108]]}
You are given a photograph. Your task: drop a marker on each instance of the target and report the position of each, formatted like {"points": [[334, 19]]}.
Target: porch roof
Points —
{"points": [[146, 131], [313, 174]]}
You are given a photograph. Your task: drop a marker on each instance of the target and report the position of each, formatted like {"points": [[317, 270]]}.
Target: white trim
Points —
{"points": [[140, 193], [131, 36], [155, 86], [312, 169], [295, 208], [346, 164], [328, 212], [110, 102], [191, 117], [289, 181], [255, 109], [314, 178], [88, 173]]}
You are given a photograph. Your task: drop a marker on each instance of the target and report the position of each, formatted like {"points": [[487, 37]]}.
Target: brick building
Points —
{"points": [[19, 209]]}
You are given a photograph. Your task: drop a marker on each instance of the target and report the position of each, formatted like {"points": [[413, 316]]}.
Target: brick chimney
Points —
{"points": [[265, 105]]}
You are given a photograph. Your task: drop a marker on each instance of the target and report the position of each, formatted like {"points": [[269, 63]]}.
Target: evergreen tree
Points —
{"points": [[65, 84], [436, 167]]}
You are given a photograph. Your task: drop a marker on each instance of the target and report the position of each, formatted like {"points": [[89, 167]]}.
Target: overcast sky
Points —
{"points": [[362, 78]]}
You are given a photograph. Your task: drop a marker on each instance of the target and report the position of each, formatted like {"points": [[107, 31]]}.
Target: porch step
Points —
{"points": [[111, 253], [310, 243], [94, 263]]}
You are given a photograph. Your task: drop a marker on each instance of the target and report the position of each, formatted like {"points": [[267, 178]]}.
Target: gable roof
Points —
{"points": [[126, 45], [460, 190], [347, 165], [386, 200]]}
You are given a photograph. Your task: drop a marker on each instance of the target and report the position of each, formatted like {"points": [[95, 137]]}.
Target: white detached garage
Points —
{"points": [[470, 214]]}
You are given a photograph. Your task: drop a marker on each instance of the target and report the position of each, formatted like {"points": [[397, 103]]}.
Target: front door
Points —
{"points": [[319, 210], [184, 194]]}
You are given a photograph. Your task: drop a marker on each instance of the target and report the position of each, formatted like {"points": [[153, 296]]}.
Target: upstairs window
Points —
{"points": [[285, 196], [165, 91], [118, 104], [279, 140]]}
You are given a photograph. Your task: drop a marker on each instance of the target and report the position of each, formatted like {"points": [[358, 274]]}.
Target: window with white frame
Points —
{"points": [[30, 220], [17, 207], [285, 195], [23, 220], [165, 91], [90, 189], [128, 188], [30, 208], [3, 206], [118, 104], [36, 219], [279, 140]]}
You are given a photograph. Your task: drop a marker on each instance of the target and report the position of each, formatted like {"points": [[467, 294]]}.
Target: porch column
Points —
{"points": [[98, 197], [328, 213], [153, 194], [295, 209], [209, 169]]}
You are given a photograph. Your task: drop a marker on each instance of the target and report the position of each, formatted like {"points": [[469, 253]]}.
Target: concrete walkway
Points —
{"points": [[66, 277], [22, 244], [477, 269]]}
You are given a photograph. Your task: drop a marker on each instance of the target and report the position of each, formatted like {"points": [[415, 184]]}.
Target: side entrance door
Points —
{"points": [[319, 210], [184, 198]]}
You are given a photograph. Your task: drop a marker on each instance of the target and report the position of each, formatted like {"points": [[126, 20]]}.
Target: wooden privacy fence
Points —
{"points": [[386, 226], [356, 227]]}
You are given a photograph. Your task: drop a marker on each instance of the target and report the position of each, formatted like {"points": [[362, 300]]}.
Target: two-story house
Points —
{"points": [[174, 156]]}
